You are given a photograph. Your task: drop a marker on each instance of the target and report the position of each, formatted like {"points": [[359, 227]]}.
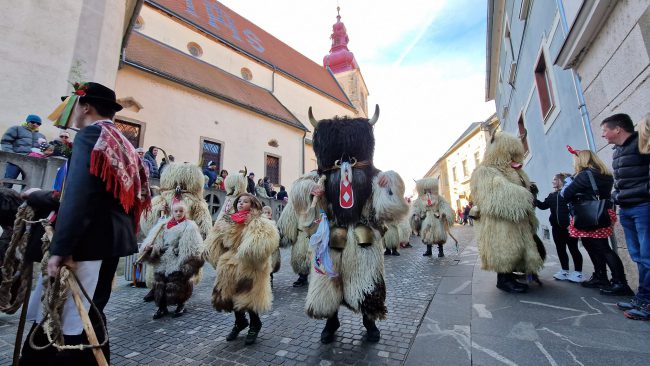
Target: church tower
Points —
{"points": [[344, 66]]}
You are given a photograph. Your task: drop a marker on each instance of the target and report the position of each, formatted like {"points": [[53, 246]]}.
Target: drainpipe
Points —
{"points": [[302, 159], [577, 84]]}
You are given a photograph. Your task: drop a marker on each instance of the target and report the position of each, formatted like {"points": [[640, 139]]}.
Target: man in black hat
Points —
{"points": [[105, 192], [250, 188]]}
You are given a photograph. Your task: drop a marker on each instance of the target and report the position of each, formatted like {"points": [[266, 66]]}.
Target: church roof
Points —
{"points": [[149, 55], [212, 17]]}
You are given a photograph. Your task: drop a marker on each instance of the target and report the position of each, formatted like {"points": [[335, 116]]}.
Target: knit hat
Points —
{"points": [[33, 118]]}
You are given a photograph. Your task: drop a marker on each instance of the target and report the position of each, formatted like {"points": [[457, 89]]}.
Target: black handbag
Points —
{"points": [[591, 214]]}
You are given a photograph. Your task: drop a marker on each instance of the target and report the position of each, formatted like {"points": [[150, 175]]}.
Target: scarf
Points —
{"points": [[240, 217], [173, 222], [29, 128], [115, 162]]}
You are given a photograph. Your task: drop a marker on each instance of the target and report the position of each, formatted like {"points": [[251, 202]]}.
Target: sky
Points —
{"points": [[423, 62]]}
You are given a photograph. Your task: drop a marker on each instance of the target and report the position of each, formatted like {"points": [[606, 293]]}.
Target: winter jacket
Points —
{"points": [[559, 209], [212, 176], [20, 140], [282, 195], [251, 187], [61, 149], [150, 162], [631, 173], [580, 187]]}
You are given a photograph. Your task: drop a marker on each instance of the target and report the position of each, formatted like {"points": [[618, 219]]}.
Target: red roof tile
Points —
{"points": [[218, 20], [152, 56]]}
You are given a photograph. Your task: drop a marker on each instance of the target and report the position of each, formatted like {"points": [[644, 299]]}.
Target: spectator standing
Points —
{"points": [[631, 184], [251, 183], [269, 187], [150, 160], [210, 171], [260, 190], [20, 140], [559, 220], [62, 145], [596, 241], [282, 195]]}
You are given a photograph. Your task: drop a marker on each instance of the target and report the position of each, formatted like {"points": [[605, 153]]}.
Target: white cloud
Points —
{"points": [[425, 106]]}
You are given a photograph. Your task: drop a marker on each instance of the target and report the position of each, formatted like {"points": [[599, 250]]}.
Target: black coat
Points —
{"points": [[631, 173], [559, 209], [580, 188], [91, 224], [43, 203], [250, 188]]}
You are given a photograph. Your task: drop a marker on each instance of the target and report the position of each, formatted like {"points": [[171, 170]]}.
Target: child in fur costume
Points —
{"points": [[267, 212], [299, 241], [235, 185], [175, 250], [184, 182], [435, 214], [240, 247], [392, 239], [507, 224], [404, 233]]}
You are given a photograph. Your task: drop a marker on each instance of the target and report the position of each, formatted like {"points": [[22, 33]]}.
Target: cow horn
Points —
{"points": [[375, 116], [245, 171], [312, 120]]}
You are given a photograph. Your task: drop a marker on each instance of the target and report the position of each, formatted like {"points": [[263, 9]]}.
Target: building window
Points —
{"points": [[194, 49], [211, 151], [246, 74], [139, 23], [130, 130], [465, 172], [544, 86], [272, 169], [523, 134], [477, 158], [453, 172]]}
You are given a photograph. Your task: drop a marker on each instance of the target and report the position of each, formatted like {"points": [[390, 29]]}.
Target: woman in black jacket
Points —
{"points": [[596, 241], [559, 220]]}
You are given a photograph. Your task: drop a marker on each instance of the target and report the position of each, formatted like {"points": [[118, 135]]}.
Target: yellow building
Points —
{"points": [[204, 83], [455, 167]]}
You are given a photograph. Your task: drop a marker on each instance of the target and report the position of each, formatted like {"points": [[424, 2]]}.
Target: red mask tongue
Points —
{"points": [[515, 165]]}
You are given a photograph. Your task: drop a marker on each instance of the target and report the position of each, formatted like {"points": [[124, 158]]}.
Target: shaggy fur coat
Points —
{"points": [[360, 282], [505, 203], [291, 235], [176, 257], [241, 254], [275, 256], [435, 218], [235, 185]]}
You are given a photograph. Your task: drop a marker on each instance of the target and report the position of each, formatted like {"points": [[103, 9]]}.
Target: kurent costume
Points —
{"points": [[298, 239], [235, 185], [434, 214], [105, 192], [240, 247], [354, 204], [507, 224], [176, 257]]}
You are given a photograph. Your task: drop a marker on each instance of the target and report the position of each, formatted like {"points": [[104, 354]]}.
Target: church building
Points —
{"points": [[206, 84]]}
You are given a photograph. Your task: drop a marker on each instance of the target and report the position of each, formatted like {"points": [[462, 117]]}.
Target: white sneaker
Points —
{"points": [[576, 277], [562, 275]]}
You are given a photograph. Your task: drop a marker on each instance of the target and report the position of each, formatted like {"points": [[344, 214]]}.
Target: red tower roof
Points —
{"points": [[340, 58]]}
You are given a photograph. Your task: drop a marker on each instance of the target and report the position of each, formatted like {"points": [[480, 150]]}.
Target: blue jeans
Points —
{"points": [[636, 224], [12, 172]]}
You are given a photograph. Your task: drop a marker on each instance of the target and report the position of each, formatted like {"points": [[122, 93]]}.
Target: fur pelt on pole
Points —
{"points": [[433, 211], [507, 224], [241, 254], [176, 257]]}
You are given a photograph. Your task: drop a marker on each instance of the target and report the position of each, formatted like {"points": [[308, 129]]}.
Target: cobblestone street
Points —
{"points": [[440, 311]]}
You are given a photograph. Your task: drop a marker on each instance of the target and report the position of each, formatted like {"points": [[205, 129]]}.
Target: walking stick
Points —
{"points": [[23, 318], [90, 332]]}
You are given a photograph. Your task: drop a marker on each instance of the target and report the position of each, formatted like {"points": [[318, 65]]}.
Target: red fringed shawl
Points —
{"points": [[115, 162]]}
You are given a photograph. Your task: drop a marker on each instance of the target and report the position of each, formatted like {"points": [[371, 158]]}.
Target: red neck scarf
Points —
{"points": [[115, 162], [173, 222], [240, 217]]}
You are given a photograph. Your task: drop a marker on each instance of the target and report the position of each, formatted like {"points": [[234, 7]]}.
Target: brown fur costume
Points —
{"points": [[176, 257], [507, 217], [432, 216], [241, 255]]}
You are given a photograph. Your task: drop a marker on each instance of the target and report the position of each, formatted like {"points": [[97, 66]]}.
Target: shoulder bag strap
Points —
{"points": [[593, 183]]}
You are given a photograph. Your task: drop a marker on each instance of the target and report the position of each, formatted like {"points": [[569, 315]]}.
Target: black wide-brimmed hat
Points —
{"points": [[96, 93]]}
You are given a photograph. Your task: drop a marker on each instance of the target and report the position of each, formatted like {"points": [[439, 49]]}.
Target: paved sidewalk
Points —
{"points": [[441, 312]]}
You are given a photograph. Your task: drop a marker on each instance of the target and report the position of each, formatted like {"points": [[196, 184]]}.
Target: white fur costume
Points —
{"points": [[433, 212]]}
